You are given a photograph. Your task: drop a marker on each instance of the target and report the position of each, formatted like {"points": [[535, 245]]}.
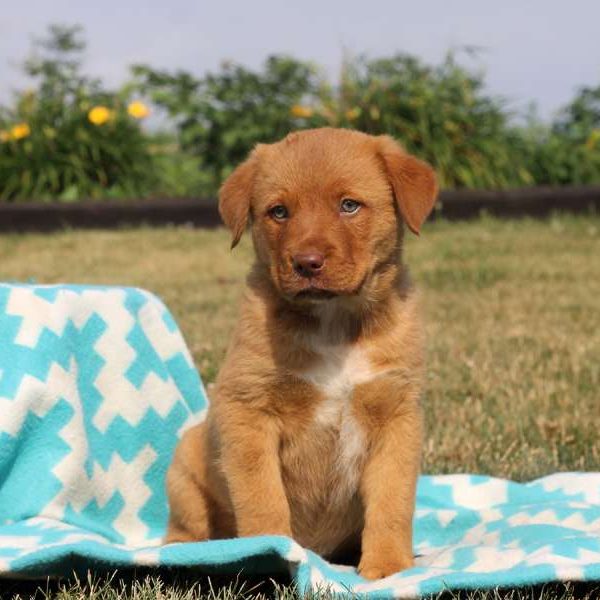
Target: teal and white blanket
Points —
{"points": [[97, 385]]}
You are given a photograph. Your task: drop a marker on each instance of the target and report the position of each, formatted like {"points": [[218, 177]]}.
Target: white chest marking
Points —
{"points": [[338, 371]]}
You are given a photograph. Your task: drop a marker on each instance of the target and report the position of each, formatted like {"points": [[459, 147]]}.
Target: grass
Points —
{"points": [[513, 326], [152, 587]]}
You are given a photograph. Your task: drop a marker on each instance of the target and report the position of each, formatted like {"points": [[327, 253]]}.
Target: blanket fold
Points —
{"points": [[96, 387]]}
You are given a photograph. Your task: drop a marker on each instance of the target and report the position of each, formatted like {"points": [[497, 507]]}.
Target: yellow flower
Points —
{"points": [[353, 113], [138, 110], [20, 131], [99, 115], [593, 139], [302, 112], [4, 136]]}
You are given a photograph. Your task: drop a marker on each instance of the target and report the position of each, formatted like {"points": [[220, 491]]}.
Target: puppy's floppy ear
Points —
{"points": [[235, 195], [413, 181]]}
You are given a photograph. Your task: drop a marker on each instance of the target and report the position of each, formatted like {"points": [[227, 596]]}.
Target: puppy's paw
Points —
{"points": [[378, 567]]}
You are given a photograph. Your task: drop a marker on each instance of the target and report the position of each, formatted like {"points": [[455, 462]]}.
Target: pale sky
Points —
{"points": [[535, 50]]}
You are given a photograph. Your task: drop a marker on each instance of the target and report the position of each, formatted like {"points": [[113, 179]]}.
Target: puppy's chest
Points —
{"points": [[337, 371], [335, 432]]}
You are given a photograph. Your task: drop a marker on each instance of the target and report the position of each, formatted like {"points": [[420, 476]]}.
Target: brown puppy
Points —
{"points": [[315, 427]]}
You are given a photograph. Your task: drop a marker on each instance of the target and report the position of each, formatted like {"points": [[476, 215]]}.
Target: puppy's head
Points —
{"points": [[326, 207]]}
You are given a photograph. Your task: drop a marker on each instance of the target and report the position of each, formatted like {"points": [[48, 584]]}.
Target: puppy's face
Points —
{"points": [[327, 207]]}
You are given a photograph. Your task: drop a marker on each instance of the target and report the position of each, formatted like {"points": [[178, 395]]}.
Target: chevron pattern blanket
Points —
{"points": [[96, 386]]}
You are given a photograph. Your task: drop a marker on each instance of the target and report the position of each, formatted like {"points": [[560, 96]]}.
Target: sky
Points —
{"points": [[532, 50]]}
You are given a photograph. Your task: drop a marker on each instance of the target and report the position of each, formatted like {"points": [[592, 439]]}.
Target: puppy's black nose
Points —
{"points": [[309, 264]]}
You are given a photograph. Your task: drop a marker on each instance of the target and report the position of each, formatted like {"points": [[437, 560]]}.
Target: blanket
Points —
{"points": [[96, 387]]}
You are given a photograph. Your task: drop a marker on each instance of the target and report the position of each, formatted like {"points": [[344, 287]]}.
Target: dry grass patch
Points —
{"points": [[512, 311], [513, 321]]}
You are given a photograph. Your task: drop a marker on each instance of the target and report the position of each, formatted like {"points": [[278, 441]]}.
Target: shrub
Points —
{"points": [[222, 116], [568, 152], [68, 138], [441, 114]]}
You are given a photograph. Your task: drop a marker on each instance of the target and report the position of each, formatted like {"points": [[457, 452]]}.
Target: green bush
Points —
{"points": [[222, 116], [179, 173], [441, 114], [568, 152], [68, 138]]}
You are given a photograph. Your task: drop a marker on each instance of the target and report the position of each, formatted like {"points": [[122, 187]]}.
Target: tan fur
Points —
{"points": [[315, 427]]}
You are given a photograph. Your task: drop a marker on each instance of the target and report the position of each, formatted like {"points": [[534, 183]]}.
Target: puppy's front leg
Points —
{"points": [[250, 461], [389, 479]]}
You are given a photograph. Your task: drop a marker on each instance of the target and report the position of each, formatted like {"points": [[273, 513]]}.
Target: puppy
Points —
{"points": [[314, 431]]}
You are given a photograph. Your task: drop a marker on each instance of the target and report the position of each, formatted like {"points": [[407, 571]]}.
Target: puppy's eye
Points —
{"points": [[279, 212], [349, 206]]}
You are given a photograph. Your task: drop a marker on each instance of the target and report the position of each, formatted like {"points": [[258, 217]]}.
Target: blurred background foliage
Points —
{"points": [[69, 138], [221, 117]]}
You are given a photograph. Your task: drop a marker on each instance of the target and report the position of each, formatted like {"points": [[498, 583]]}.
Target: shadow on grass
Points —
{"points": [[548, 591], [187, 584], [146, 583]]}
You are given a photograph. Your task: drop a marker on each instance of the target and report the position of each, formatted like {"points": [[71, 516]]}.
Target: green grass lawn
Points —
{"points": [[512, 314]]}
